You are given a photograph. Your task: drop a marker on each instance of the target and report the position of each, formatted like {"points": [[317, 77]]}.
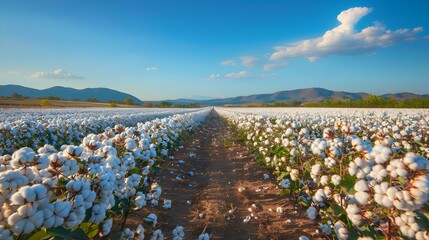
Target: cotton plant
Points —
{"points": [[84, 186], [358, 171]]}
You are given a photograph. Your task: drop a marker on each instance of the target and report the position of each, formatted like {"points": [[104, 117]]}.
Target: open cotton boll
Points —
{"points": [[341, 231], [23, 156], [336, 180], [353, 213], [303, 238], [106, 227], [178, 233], [204, 236], [311, 213], [140, 232], [151, 219], [167, 204], [127, 234], [157, 235]]}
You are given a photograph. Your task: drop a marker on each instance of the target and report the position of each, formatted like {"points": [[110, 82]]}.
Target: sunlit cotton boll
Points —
{"points": [[336, 180], [127, 234], [106, 227], [341, 231], [353, 213]]}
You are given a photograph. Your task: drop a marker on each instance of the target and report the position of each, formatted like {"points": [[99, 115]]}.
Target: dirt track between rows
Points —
{"points": [[220, 167]]}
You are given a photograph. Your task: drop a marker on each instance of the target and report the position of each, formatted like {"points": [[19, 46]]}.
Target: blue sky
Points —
{"points": [[216, 48]]}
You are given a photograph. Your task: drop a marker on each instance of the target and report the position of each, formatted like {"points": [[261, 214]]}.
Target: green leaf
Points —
{"points": [[38, 235], [90, 229], [285, 192], [63, 182], [402, 180], [58, 232], [348, 183], [134, 171], [78, 234], [336, 209], [422, 220]]}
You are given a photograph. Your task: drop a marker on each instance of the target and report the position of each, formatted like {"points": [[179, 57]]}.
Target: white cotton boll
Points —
{"points": [[324, 180], [98, 213], [326, 228], [303, 238], [330, 162], [127, 234], [5, 233], [140, 200], [140, 232], [204, 236], [279, 210], [285, 183], [361, 186], [353, 213], [319, 196], [178, 233], [381, 153], [341, 231], [106, 227], [23, 156], [157, 235], [151, 219], [362, 197], [311, 213], [167, 204], [266, 176], [336, 180]]}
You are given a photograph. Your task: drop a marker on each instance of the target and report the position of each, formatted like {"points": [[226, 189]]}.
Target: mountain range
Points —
{"points": [[106, 94], [101, 94]]}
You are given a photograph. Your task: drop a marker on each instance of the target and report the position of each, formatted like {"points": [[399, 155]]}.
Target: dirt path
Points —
{"points": [[208, 197]]}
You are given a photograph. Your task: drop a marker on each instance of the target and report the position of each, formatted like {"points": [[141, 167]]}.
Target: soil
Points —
{"points": [[208, 199]]}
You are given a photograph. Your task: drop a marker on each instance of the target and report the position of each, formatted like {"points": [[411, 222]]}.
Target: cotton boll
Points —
{"points": [[167, 204], [326, 228], [341, 231], [157, 235], [127, 234], [178, 233], [311, 213], [336, 180], [324, 180], [5, 233], [151, 219], [353, 213], [140, 232], [204, 236], [106, 227]]}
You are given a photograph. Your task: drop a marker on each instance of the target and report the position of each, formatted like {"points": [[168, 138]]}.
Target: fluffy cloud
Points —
{"points": [[344, 40], [249, 61], [152, 69], [275, 65], [231, 76], [14, 73], [56, 74], [228, 63]]}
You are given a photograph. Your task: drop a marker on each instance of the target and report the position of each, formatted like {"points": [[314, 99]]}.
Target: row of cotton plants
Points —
{"points": [[358, 175], [37, 127], [88, 190]]}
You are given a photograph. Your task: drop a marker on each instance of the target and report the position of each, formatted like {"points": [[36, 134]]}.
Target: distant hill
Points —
{"points": [[302, 95], [404, 95], [101, 94]]}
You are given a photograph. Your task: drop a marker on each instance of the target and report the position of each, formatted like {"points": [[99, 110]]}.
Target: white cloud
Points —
{"points": [[344, 40], [16, 73], [275, 65], [249, 61], [152, 69], [56, 74], [426, 37], [231, 76], [228, 63]]}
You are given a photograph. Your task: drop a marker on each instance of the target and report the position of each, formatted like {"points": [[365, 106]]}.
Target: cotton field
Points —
{"points": [[360, 173], [71, 173], [37, 127]]}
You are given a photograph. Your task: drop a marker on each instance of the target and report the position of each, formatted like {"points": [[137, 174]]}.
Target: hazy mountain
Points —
{"points": [[101, 94], [404, 95], [302, 95]]}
